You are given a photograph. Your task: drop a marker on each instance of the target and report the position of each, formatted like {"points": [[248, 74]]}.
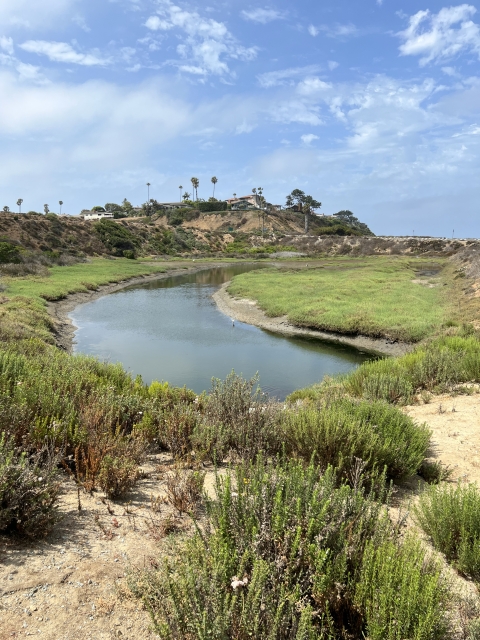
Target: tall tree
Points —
{"points": [[214, 182], [180, 188], [195, 184], [186, 196], [19, 205], [60, 202], [306, 204], [6, 209], [46, 208]]}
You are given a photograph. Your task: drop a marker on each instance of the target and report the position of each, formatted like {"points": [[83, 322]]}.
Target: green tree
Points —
{"points": [[111, 207], [98, 208], [19, 205], [60, 202], [46, 209], [186, 196], [195, 184], [6, 209], [214, 182], [305, 204]]}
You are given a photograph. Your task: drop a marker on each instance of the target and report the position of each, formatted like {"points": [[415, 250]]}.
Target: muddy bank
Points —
{"points": [[64, 329], [247, 311]]}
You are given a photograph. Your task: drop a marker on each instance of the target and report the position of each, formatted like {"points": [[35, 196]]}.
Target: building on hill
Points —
{"points": [[96, 215], [252, 201]]}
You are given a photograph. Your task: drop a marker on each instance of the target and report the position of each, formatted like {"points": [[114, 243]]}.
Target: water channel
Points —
{"points": [[171, 330]]}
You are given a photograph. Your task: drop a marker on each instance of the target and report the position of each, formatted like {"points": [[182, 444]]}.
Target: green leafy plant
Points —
{"points": [[29, 489], [450, 516]]}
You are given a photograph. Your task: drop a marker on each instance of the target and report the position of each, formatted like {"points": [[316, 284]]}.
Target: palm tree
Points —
{"points": [[60, 202], [19, 205], [214, 182], [180, 187], [46, 208], [186, 196], [148, 191], [195, 184]]}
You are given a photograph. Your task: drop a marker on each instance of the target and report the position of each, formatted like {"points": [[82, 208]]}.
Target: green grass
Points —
{"points": [[370, 296], [62, 281]]}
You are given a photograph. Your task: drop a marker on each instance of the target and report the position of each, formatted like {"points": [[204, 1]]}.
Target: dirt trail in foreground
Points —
{"points": [[72, 585]]}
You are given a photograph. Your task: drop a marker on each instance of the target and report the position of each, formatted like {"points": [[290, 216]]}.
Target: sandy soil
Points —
{"points": [[247, 311], [455, 423], [72, 585]]}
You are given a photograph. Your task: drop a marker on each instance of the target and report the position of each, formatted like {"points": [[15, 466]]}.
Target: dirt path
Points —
{"points": [[247, 311]]}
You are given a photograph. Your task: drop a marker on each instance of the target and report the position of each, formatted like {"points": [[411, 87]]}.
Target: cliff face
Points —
{"points": [[210, 233], [380, 245]]}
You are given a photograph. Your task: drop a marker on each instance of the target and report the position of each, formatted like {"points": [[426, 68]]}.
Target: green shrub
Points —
{"points": [[117, 475], [116, 237], [401, 591], [237, 419], [29, 490], [343, 430], [206, 207], [128, 253], [450, 516], [438, 366], [282, 557], [9, 253]]}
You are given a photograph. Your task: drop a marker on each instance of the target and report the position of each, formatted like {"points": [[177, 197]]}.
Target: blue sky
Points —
{"points": [[371, 106]]}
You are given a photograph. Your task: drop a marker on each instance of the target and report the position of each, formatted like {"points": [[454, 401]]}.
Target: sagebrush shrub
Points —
{"points": [[29, 489], [117, 476], [450, 516], [280, 558], [343, 430]]}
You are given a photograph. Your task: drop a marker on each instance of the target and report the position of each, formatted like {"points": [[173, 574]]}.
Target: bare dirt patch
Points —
{"points": [[455, 424]]}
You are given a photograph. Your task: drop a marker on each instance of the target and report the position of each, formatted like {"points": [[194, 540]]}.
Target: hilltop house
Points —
{"points": [[96, 215], [252, 201]]}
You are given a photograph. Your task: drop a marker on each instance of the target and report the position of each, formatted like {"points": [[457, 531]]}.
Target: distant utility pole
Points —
{"points": [[60, 203], [180, 188], [148, 191], [19, 205]]}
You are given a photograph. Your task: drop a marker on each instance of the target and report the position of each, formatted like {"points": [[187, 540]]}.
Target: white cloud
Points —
{"points": [[80, 21], [32, 13], [339, 30], [332, 65], [285, 76], [440, 36], [308, 138], [63, 52], [312, 30], [262, 15], [379, 2], [207, 42], [6, 44]]}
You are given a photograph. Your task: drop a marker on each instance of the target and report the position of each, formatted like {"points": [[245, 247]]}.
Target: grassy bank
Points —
{"points": [[376, 296]]}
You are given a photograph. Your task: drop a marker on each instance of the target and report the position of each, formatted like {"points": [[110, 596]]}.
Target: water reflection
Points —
{"points": [[171, 330]]}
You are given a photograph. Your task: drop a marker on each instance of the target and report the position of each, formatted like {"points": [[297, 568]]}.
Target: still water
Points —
{"points": [[171, 330]]}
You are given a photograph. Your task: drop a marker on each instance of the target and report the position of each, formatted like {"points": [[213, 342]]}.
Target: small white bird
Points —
{"points": [[233, 321]]}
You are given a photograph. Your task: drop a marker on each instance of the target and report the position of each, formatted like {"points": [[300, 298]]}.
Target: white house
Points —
{"points": [[96, 215]]}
